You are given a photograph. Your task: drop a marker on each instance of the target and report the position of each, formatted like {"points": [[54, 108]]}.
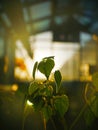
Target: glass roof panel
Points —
{"points": [[40, 10], [6, 19], [60, 19], [42, 25], [26, 15]]}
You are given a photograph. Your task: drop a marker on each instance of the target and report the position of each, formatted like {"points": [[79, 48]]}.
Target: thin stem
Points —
{"points": [[85, 106], [24, 112], [85, 93], [23, 124], [78, 117], [53, 123], [44, 120], [23, 121], [45, 124], [63, 121], [25, 107]]}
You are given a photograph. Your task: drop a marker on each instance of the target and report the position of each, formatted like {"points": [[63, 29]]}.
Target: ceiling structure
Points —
{"points": [[29, 17]]}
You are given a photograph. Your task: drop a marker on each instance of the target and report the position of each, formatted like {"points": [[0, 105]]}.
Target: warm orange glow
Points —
{"points": [[6, 64], [14, 87], [95, 37], [19, 62]]}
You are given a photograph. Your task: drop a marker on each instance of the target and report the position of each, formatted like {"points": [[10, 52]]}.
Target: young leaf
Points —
{"points": [[41, 67], [38, 103], [34, 69], [52, 57], [33, 87], [61, 104], [46, 66], [58, 78], [47, 91], [89, 117], [49, 66]]}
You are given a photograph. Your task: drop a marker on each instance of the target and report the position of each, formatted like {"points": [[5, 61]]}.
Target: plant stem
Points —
{"points": [[44, 124], [78, 117], [54, 126], [23, 124], [63, 121]]}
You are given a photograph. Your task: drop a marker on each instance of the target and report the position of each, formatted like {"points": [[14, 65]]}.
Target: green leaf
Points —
{"points": [[52, 57], [26, 112], [95, 79], [47, 112], [34, 69], [46, 66], [94, 104], [48, 91], [58, 78], [61, 104], [33, 87], [41, 67], [38, 103], [89, 117]]}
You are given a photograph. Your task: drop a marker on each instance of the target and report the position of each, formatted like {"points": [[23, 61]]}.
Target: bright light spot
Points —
{"points": [[95, 37], [14, 87], [29, 103]]}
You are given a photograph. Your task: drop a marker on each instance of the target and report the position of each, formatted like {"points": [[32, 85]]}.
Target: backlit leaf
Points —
{"points": [[58, 78], [61, 104], [46, 66], [47, 112], [34, 69], [33, 87]]}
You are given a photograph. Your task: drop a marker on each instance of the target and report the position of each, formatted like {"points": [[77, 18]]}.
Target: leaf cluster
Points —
{"points": [[46, 96]]}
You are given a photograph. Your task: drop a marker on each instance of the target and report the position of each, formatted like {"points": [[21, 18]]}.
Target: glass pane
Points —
{"points": [[40, 10]]}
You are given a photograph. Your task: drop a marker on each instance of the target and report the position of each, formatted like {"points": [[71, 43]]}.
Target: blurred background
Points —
{"points": [[33, 29]]}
